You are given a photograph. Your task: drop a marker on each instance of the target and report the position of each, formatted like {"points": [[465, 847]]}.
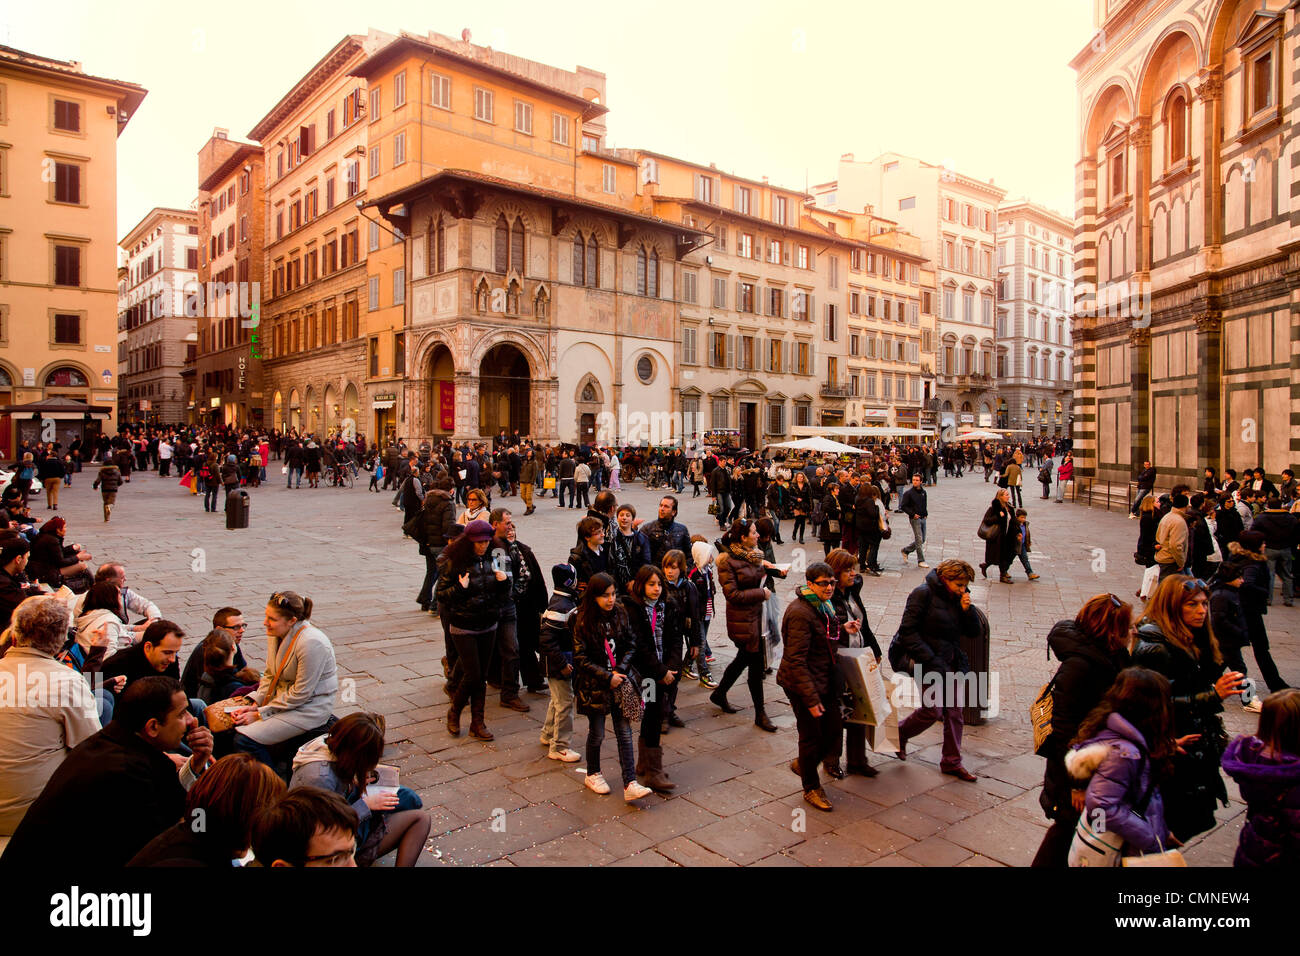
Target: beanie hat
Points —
{"points": [[478, 530], [564, 577], [1251, 540]]}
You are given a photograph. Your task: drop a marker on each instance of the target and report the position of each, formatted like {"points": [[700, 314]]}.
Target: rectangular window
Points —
{"points": [[329, 124], [353, 177], [832, 323], [523, 117], [745, 360], [373, 289], [67, 116], [329, 194], [908, 203], [399, 90], [803, 359], [560, 129], [689, 279], [67, 265], [1261, 78], [745, 298], [949, 304], [688, 346], [855, 344], [705, 188], [833, 271], [774, 251], [718, 409], [372, 237], [775, 355], [802, 260], [67, 183], [399, 148], [776, 418], [374, 353], [374, 103], [745, 245], [779, 210], [776, 302], [483, 109], [399, 286], [719, 292], [374, 162], [67, 329], [742, 197], [722, 238], [441, 90], [609, 178]]}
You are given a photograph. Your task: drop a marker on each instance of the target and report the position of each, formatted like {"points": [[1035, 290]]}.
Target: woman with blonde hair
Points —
{"points": [[1176, 639]]}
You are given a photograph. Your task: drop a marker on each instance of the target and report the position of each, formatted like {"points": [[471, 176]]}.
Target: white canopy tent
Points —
{"points": [[847, 431], [978, 435], [820, 445]]}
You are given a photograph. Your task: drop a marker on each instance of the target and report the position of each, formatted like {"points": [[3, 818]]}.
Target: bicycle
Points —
{"points": [[340, 476]]}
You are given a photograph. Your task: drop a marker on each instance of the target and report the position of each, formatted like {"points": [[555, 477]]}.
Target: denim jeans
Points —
{"points": [[566, 491], [724, 508], [558, 726], [210, 497], [918, 538], [1142, 493], [295, 476], [596, 736], [1279, 568], [1023, 555]]}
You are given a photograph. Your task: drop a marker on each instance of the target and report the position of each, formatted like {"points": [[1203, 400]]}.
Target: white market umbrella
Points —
{"points": [[821, 445], [978, 436]]}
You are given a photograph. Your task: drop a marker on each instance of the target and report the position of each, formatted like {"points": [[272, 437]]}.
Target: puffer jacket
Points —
{"points": [[866, 518], [439, 521], [593, 646], [932, 627], [1116, 767], [650, 663], [741, 582], [1227, 616], [109, 479], [1087, 670], [556, 637], [810, 639], [1191, 793], [1270, 785], [476, 607]]}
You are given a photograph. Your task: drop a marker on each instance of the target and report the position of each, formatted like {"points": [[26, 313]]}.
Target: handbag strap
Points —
{"points": [[284, 658]]}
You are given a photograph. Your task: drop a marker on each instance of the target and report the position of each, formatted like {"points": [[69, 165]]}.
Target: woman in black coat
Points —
{"points": [[800, 498], [1092, 649], [604, 648], [436, 523], [1148, 521], [866, 516], [831, 532], [658, 658], [937, 615], [54, 563], [1177, 639], [1002, 548]]}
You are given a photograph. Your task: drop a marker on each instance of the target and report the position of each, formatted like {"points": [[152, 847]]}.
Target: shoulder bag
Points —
{"points": [[885, 532], [990, 530]]}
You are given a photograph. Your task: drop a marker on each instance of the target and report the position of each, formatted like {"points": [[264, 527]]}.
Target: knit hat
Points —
{"points": [[478, 530], [564, 577], [1251, 540]]}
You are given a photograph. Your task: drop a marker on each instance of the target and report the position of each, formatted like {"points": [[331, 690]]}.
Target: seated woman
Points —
{"points": [[103, 609], [220, 679], [54, 563], [227, 798], [344, 761], [296, 694]]}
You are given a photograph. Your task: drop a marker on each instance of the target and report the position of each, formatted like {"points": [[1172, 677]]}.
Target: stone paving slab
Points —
{"points": [[737, 801]]}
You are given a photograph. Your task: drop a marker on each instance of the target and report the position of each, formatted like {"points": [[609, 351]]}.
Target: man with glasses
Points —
{"points": [[232, 620], [810, 676], [306, 827]]}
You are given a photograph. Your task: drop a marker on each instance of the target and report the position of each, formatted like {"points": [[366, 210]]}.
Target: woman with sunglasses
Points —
{"points": [[1093, 648], [297, 690], [476, 507], [1177, 639]]}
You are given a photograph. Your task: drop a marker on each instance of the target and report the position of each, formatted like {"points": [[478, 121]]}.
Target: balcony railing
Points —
{"points": [[835, 390]]}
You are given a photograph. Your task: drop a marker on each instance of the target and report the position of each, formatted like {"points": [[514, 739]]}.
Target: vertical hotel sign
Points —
{"points": [[447, 406]]}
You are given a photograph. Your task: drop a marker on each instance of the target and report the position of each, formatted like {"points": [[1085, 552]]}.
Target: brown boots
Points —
{"points": [[650, 768], [477, 728]]}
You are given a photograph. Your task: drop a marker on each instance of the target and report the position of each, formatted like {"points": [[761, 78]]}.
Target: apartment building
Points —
{"points": [[955, 217], [162, 261], [227, 376], [435, 105], [314, 141], [58, 242], [1035, 303], [1186, 219]]}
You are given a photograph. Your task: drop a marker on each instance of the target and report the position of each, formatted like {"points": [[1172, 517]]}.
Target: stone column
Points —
{"points": [[1210, 96], [544, 419], [1140, 138], [1084, 431], [1140, 394], [467, 425], [1209, 390]]}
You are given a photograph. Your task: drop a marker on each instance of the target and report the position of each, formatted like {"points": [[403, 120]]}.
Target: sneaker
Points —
{"points": [[595, 782], [905, 556], [569, 756], [709, 658], [708, 680], [634, 791], [921, 564], [690, 673], [1254, 707]]}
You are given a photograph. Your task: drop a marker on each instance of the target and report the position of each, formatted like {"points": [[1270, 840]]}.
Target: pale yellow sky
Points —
{"points": [[764, 88]]}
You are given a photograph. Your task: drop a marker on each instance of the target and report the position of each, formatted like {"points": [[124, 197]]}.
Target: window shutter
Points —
{"points": [[812, 357], [785, 356], [731, 351], [812, 307]]}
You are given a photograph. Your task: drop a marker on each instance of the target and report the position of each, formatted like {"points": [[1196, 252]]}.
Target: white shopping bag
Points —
{"points": [[884, 737], [866, 685], [1149, 581]]}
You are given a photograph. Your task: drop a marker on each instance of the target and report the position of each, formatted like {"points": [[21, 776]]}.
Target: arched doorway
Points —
{"points": [[441, 399], [331, 409], [351, 423], [295, 411], [277, 411], [313, 410], [503, 391]]}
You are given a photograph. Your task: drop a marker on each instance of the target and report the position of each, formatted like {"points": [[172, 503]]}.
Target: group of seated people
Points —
{"points": [[196, 767]]}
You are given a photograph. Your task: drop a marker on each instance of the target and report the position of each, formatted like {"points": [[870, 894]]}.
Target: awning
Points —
{"points": [[806, 431], [386, 403], [58, 409]]}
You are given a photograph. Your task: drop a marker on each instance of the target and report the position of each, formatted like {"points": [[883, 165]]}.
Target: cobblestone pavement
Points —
{"points": [[737, 803]]}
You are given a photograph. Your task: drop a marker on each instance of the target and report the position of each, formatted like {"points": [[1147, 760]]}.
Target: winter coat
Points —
{"points": [[1270, 785], [932, 627], [439, 521], [1003, 549], [741, 581], [1172, 540], [593, 646], [866, 518], [1201, 543], [1227, 616], [685, 602], [800, 499], [810, 641], [587, 562], [1146, 546], [556, 639], [831, 511], [627, 555], [1116, 766], [1196, 784], [109, 479], [914, 503], [48, 557], [648, 662], [665, 537], [1228, 526], [477, 606], [1086, 672]]}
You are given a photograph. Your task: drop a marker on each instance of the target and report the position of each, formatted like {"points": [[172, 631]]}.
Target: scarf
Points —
{"points": [[754, 557], [823, 607]]}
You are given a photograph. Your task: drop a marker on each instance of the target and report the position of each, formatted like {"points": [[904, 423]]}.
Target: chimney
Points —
{"points": [[465, 35]]}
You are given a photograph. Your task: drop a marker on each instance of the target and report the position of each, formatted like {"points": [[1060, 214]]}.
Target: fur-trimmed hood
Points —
{"points": [[1236, 550], [1082, 762]]}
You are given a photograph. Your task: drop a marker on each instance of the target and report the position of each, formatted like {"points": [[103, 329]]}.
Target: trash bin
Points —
{"points": [[977, 653], [237, 508]]}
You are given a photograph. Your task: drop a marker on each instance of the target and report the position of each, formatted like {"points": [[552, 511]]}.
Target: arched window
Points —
{"points": [[593, 262], [501, 246], [517, 247], [1176, 127], [579, 260]]}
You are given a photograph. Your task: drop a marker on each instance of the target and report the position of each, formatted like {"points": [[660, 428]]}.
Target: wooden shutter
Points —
{"points": [[730, 361]]}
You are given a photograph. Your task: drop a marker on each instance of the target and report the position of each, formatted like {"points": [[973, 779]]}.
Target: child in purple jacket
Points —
{"points": [[1267, 768]]}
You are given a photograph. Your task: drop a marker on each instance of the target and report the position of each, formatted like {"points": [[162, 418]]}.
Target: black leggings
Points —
{"points": [[797, 531], [754, 661]]}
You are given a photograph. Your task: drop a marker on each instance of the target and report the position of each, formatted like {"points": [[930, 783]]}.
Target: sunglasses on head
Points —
{"points": [[1115, 602], [1192, 584]]}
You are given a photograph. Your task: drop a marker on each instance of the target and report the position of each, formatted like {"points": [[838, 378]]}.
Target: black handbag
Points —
{"points": [[990, 530]]}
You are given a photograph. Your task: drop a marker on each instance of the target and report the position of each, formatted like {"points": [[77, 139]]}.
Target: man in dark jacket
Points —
{"points": [[14, 586], [108, 481], [157, 653], [517, 630], [1281, 534], [937, 615], [566, 468], [666, 534], [720, 491], [810, 677], [915, 504], [122, 772], [1146, 482]]}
